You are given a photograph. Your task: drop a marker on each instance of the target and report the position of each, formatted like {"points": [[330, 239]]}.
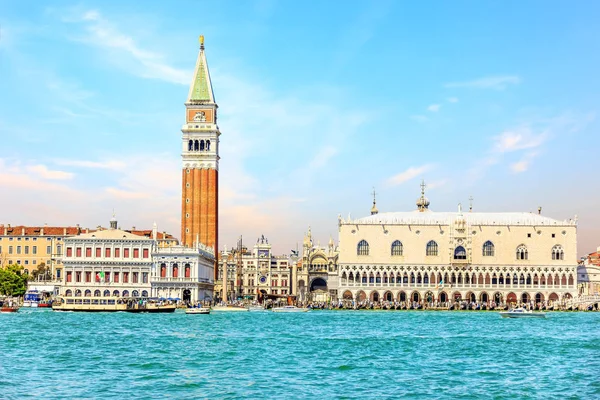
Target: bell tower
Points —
{"points": [[200, 157]]}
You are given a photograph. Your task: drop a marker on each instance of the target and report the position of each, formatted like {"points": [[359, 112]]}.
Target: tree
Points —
{"points": [[41, 271], [12, 281]]}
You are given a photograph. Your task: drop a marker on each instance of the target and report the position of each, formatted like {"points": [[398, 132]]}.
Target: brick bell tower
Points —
{"points": [[200, 156]]}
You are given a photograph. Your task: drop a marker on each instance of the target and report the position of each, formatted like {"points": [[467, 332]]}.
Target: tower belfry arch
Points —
{"points": [[200, 161]]}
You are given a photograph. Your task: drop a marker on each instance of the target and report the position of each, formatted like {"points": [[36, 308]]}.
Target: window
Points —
{"points": [[175, 271], [432, 248], [363, 248], [88, 251], [134, 278], [187, 270], [460, 253], [522, 252], [107, 252], [18, 249], [78, 251], [26, 249], [136, 253], [488, 249], [98, 252], [78, 276], [48, 249], [10, 249], [34, 262], [69, 252], [58, 274], [125, 277], [126, 253], [529, 235], [26, 262], [116, 277], [58, 249], [558, 253], [88, 276], [18, 262], [163, 271], [33, 249], [144, 277], [117, 252], [145, 253], [397, 248], [554, 235], [69, 276]]}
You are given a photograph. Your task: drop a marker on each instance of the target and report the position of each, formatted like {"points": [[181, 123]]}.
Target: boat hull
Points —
{"points": [[199, 311], [522, 315], [290, 310], [6, 310], [228, 309]]}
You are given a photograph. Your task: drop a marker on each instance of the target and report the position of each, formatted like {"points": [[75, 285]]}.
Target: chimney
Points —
{"points": [[539, 210], [154, 231], [42, 231], [23, 231], [87, 230], [64, 231]]}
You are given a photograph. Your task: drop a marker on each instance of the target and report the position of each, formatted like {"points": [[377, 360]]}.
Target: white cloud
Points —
{"points": [[519, 138], [102, 33], [490, 82], [43, 172], [323, 156], [434, 107], [108, 164], [407, 175], [523, 164], [452, 99]]}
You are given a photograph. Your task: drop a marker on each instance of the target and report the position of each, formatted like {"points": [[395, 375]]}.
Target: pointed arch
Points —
{"points": [[488, 249], [522, 253], [432, 248], [460, 253], [362, 249], [397, 248], [558, 253]]}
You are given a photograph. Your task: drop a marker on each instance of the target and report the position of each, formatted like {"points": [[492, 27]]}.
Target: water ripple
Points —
{"points": [[341, 355]]}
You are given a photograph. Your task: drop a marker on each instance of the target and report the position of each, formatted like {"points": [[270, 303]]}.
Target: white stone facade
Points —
{"points": [[106, 263], [437, 257], [183, 272]]}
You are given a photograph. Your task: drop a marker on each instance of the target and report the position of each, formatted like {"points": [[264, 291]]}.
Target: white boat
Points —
{"points": [[256, 308], [198, 310], [290, 309], [32, 298], [522, 313], [228, 309]]}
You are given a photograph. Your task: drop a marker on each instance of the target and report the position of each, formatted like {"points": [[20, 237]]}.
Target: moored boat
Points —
{"points": [[198, 310], [229, 308], [32, 298], [112, 304], [521, 313], [290, 309], [256, 308], [9, 308]]}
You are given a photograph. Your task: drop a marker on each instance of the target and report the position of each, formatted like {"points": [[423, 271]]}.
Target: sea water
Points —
{"points": [[319, 354]]}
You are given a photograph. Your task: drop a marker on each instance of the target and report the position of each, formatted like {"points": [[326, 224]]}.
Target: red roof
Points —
{"points": [[22, 230]]}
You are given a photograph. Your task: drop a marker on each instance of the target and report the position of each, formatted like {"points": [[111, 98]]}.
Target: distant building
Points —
{"points": [[317, 277], [588, 274], [30, 246], [440, 256], [107, 262], [183, 272], [256, 273]]}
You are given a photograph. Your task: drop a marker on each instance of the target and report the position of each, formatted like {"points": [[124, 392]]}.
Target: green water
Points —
{"points": [[320, 354]]}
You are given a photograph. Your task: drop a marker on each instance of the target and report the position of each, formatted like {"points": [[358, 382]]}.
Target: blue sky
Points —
{"points": [[319, 102]]}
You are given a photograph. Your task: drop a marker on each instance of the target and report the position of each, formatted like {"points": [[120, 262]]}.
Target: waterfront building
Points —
{"points": [[513, 257], [107, 262], [256, 273], [183, 272], [317, 277], [32, 246], [200, 158], [588, 274]]}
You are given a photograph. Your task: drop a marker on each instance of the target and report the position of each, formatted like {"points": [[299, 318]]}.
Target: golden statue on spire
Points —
{"points": [[201, 40]]}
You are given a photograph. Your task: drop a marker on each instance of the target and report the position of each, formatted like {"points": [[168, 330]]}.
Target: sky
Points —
{"points": [[319, 104]]}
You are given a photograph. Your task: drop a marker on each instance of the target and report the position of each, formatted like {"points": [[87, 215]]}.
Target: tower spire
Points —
{"points": [[374, 208], [201, 91]]}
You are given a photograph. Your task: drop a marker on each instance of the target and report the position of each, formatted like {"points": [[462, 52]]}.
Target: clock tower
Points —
{"points": [[200, 156]]}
